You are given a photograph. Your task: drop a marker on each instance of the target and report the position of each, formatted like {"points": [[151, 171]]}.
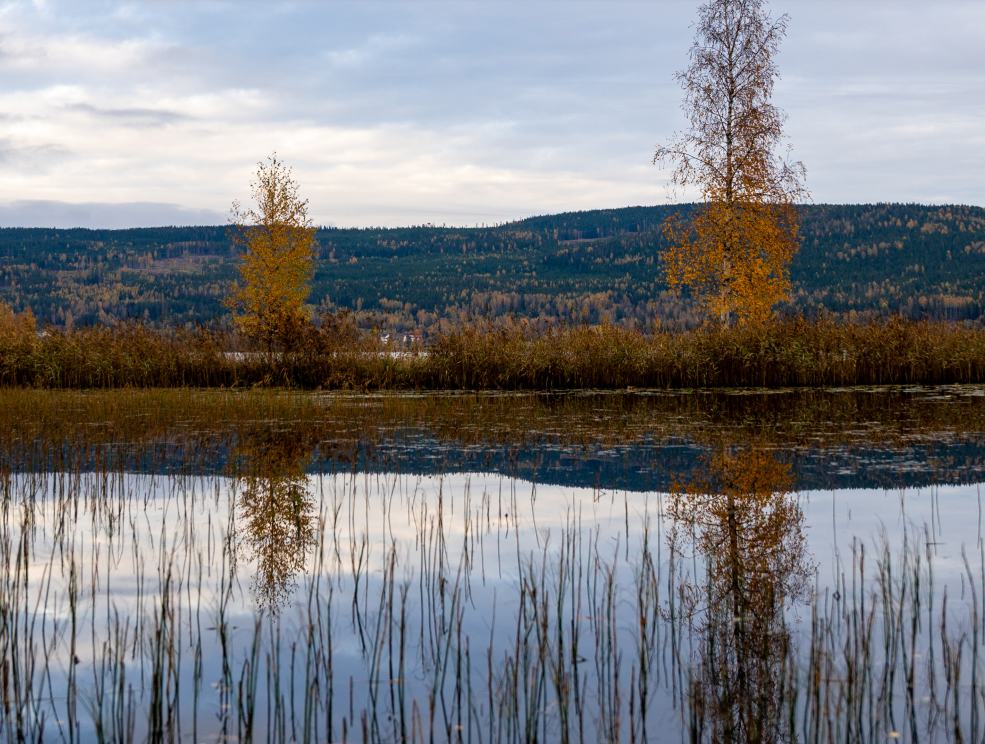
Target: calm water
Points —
{"points": [[632, 567]]}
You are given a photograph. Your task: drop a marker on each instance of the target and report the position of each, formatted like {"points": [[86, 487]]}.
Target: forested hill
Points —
{"points": [[922, 261]]}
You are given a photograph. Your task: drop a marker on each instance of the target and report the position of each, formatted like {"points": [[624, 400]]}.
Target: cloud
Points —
{"points": [[375, 47], [396, 112], [37, 156], [25, 52], [41, 213], [131, 115]]}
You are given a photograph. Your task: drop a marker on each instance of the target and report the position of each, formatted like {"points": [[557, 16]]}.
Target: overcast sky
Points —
{"points": [[407, 112]]}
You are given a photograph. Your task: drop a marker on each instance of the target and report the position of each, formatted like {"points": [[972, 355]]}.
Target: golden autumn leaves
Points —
{"points": [[278, 242], [739, 514], [734, 257], [734, 253]]}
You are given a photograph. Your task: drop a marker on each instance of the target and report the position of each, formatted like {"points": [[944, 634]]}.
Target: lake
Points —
{"points": [[793, 565]]}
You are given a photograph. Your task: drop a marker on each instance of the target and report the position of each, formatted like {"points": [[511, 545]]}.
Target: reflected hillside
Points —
{"points": [[636, 440]]}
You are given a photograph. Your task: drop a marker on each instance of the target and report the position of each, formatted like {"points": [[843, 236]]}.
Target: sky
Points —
{"points": [[409, 112]]}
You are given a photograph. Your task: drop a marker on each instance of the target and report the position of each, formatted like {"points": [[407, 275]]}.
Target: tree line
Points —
{"points": [[855, 261], [742, 253]]}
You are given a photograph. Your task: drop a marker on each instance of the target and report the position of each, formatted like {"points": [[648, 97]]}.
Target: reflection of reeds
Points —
{"points": [[389, 634], [189, 430], [507, 357]]}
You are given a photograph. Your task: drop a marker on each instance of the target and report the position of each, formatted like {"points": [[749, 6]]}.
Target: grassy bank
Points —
{"points": [[788, 353]]}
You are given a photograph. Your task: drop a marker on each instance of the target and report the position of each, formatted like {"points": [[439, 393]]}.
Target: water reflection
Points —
{"points": [[276, 510], [430, 605], [885, 438], [738, 515]]}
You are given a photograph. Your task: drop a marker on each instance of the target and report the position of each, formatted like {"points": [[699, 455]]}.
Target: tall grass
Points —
{"points": [[787, 353], [508, 357], [433, 612]]}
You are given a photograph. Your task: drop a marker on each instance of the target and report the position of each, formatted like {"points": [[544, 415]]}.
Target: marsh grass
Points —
{"points": [[266, 604], [436, 612], [781, 354], [510, 356]]}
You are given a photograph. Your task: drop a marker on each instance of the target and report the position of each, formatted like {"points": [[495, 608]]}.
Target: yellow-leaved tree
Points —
{"points": [[738, 514], [16, 327], [734, 251], [277, 239]]}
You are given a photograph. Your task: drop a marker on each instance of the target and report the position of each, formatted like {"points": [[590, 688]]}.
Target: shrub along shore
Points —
{"points": [[507, 357]]}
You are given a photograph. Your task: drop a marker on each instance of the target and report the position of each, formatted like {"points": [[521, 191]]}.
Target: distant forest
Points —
{"points": [[855, 261]]}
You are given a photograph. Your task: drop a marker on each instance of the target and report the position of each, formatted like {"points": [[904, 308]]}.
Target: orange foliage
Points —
{"points": [[14, 327], [278, 241], [749, 531], [741, 516], [277, 509], [735, 252]]}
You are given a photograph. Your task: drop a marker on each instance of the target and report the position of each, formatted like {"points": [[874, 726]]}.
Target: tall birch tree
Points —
{"points": [[734, 252]]}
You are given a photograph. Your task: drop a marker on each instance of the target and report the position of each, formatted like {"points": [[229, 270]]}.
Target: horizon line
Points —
{"points": [[475, 226]]}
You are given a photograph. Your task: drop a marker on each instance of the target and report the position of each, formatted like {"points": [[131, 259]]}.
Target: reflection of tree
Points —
{"points": [[739, 516], [277, 510]]}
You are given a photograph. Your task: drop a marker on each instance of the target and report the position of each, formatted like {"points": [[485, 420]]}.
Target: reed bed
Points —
{"points": [[782, 354], [512, 356], [158, 608]]}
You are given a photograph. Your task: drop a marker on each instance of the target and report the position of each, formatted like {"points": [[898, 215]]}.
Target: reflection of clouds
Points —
{"points": [[384, 506], [471, 503], [500, 522]]}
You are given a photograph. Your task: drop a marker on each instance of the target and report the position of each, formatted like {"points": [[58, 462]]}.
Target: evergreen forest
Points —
{"points": [[855, 262]]}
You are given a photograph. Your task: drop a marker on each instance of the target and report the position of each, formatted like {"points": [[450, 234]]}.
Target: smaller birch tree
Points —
{"points": [[277, 241]]}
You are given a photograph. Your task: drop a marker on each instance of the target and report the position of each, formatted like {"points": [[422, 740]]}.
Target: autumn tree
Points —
{"points": [[15, 327], [735, 250], [18, 339], [277, 240], [277, 509], [738, 515]]}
